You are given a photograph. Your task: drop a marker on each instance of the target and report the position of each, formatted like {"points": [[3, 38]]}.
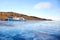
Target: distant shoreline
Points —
{"points": [[5, 15]]}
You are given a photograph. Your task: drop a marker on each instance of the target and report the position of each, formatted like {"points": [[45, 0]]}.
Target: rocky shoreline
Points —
{"points": [[5, 15]]}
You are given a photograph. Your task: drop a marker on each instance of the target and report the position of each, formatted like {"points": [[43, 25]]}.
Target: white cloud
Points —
{"points": [[42, 5]]}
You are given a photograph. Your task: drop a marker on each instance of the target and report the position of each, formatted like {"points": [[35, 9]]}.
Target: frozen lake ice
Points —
{"points": [[30, 30]]}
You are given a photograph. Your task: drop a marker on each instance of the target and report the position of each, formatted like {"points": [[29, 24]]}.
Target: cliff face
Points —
{"points": [[4, 15]]}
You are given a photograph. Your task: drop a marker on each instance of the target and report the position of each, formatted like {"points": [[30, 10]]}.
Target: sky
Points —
{"points": [[49, 9]]}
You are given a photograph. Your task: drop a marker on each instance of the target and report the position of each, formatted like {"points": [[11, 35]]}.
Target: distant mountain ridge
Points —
{"points": [[4, 15]]}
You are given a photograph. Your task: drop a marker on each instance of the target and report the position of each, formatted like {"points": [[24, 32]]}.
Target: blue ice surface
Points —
{"points": [[30, 30]]}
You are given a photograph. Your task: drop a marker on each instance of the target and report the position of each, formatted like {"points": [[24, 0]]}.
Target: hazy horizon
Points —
{"points": [[49, 9]]}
